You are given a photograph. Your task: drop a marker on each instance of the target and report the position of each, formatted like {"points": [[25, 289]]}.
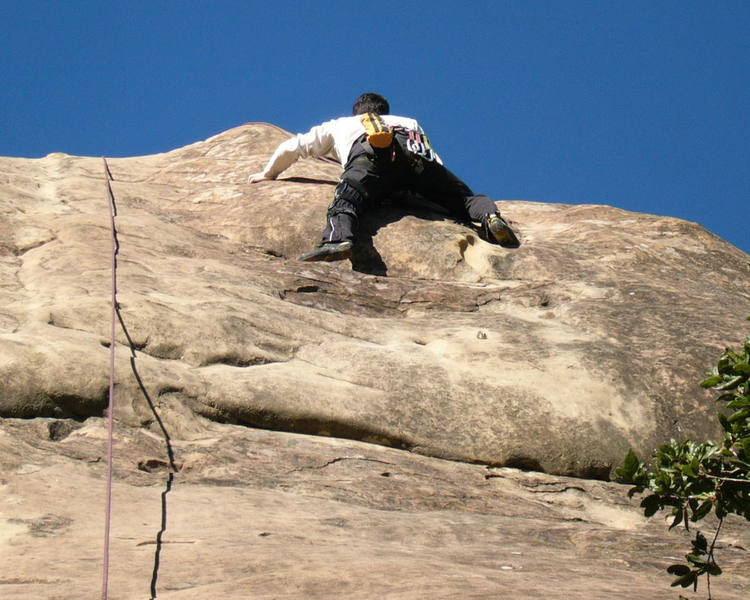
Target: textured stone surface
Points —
{"points": [[262, 514], [557, 356]]}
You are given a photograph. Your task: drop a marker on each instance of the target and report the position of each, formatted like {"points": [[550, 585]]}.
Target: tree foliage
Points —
{"points": [[693, 479]]}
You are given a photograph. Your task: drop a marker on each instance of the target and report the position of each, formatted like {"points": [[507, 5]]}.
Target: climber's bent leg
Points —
{"points": [[342, 215], [362, 182], [478, 206], [341, 224], [342, 218], [442, 186]]}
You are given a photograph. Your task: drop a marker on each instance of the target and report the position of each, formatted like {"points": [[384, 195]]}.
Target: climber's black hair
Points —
{"points": [[371, 103]]}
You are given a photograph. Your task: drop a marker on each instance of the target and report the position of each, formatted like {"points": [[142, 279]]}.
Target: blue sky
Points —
{"points": [[641, 105]]}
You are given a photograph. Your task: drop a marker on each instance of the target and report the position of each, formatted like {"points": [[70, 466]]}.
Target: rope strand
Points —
{"points": [[111, 407]]}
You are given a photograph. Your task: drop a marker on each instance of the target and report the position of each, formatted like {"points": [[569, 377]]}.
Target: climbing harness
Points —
{"points": [[380, 135]]}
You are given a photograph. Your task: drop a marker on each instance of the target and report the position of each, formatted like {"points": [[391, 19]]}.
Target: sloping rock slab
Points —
{"points": [[557, 356], [273, 515]]}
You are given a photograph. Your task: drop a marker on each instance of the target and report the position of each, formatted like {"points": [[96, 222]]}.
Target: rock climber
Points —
{"points": [[381, 153]]}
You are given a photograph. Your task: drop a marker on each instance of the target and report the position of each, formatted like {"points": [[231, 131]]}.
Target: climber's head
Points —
{"points": [[371, 103]]}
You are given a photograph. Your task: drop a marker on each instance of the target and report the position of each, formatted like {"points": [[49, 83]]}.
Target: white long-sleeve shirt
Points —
{"points": [[332, 137]]}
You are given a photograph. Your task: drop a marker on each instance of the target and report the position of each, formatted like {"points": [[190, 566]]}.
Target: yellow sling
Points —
{"points": [[378, 133]]}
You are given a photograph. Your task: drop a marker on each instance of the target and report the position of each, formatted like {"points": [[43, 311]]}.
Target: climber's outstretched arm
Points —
{"points": [[316, 142]]}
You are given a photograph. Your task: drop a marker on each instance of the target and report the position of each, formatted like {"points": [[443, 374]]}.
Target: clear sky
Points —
{"points": [[639, 104]]}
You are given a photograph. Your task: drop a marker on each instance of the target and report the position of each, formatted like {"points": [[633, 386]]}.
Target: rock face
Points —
{"points": [[274, 515], [557, 356]]}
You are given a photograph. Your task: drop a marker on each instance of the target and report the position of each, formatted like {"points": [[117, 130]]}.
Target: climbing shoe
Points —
{"points": [[496, 228], [329, 251]]}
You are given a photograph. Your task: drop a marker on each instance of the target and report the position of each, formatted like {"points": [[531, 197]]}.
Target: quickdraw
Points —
{"points": [[419, 144]]}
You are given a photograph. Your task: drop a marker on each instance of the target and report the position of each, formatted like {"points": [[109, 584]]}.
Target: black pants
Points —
{"points": [[372, 175]]}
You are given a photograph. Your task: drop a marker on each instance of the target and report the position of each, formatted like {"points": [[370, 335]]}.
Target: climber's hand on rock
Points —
{"points": [[256, 177]]}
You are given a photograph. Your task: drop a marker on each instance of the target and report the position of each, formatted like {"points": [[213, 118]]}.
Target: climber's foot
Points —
{"points": [[498, 229], [329, 251]]}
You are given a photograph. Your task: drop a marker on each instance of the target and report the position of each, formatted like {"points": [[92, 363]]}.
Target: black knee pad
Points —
{"points": [[346, 201]]}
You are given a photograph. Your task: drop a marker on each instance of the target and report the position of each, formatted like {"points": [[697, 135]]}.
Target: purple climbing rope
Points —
{"points": [[111, 407]]}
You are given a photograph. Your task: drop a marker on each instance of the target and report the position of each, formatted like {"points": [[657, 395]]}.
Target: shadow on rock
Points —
{"points": [[365, 256], [309, 180]]}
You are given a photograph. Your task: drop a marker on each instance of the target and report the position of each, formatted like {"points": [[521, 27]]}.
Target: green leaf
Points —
{"points": [[635, 490], [690, 469], [697, 559], [741, 414], [629, 468], [700, 542], [742, 368], [714, 569], [712, 381], [724, 364], [731, 384], [686, 580], [702, 510], [678, 570], [650, 505], [739, 402], [725, 422], [726, 397], [678, 516]]}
